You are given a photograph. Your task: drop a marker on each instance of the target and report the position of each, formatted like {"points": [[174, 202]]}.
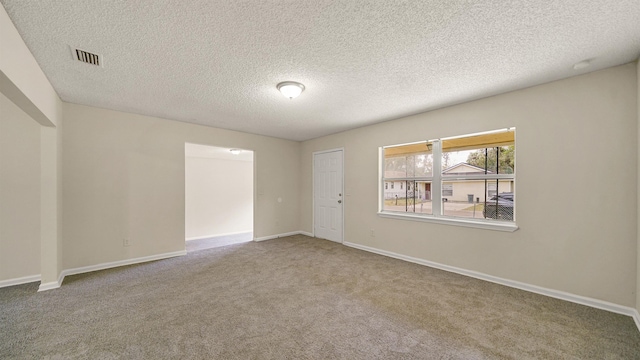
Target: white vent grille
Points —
{"points": [[87, 57]]}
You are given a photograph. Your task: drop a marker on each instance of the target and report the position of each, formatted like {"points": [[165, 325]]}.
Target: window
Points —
{"points": [[411, 165], [447, 189], [467, 178]]}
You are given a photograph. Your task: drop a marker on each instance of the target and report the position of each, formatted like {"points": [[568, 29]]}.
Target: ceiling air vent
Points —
{"points": [[87, 57]]}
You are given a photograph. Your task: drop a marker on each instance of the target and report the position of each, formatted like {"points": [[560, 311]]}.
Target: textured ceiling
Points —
{"points": [[217, 62]]}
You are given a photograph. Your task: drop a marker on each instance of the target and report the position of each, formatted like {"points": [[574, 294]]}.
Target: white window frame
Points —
{"points": [[436, 191]]}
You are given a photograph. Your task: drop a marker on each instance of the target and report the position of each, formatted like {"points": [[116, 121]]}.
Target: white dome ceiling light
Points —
{"points": [[290, 89]]}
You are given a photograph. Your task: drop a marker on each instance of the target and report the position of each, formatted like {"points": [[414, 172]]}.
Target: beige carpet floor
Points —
{"points": [[299, 298]]}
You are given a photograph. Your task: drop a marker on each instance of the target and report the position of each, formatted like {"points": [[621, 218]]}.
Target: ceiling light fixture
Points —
{"points": [[235, 151], [290, 89]]}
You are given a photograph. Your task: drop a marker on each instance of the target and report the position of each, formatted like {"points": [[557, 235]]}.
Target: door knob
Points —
{"points": [[339, 201]]}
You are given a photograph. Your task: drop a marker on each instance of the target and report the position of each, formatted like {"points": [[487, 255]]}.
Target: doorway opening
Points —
{"points": [[219, 196]]}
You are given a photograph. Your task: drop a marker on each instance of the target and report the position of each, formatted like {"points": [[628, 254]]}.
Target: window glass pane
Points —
{"points": [[404, 161], [418, 165], [469, 199], [423, 165], [395, 167], [493, 153], [415, 197], [463, 198], [497, 160], [499, 203]]}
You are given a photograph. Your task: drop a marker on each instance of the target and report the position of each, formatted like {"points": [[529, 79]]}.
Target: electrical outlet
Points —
{"points": [[373, 233], [126, 242]]}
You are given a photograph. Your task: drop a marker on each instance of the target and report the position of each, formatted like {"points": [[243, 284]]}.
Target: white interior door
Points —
{"points": [[328, 195]]}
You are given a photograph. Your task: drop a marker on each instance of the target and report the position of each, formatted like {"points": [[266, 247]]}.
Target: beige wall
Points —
{"points": [[219, 197], [24, 84], [570, 133], [123, 176], [19, 192]]}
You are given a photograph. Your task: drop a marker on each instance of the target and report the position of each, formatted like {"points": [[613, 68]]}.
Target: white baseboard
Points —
{"points": [[19, 281], [578, 299], [306, 233], [51, 285], [263, 238], [109, 265], [217, 235], [636, 318]]}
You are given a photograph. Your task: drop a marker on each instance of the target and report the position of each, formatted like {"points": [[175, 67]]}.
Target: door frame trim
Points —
{"points": [[313, 189]]}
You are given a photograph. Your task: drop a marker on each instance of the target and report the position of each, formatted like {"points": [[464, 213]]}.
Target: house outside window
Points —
{"points": [[466, 178]]}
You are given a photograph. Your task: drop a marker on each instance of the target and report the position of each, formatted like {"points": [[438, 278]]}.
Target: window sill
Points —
{"points": [[487, 225]]}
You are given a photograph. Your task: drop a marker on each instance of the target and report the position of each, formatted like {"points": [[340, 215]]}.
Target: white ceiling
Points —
{"points": [[217, 62]]}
